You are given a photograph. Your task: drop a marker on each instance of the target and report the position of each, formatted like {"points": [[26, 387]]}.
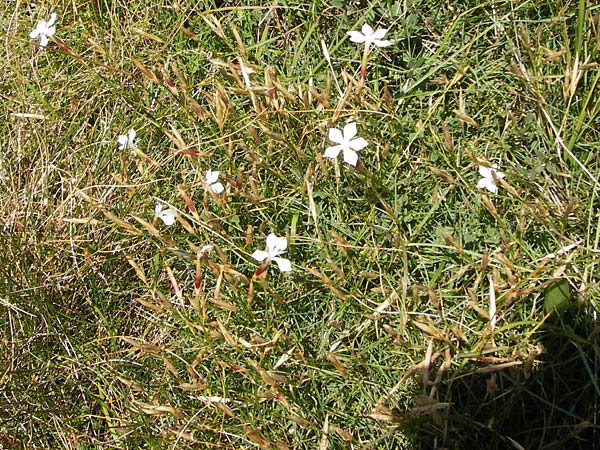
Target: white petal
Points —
{"points": [[131, 135], [213, 399], [34, 33], [350, 157], [280, 245], [349, 131], [50, 31], [276, 245], [380, 43], [205, 249], [367, 30], [356, 36], [490, 172], [358, 144], [271, 241], [379, 34], [486, 183], [485, 172], [336, 135], [43, 40], [123, 141], [52, 20], [217, 188], [167, 215], [260, 255], [284, 264], [211, 177], [332, 152]]}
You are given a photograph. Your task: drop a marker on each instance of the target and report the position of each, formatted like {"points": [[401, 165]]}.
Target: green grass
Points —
{"points": [[115, 335]]}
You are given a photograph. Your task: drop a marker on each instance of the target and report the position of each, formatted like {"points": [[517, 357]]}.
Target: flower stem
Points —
{"points": [[363, 64]]}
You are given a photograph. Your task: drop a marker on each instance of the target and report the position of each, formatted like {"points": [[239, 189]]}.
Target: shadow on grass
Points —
{"points": [[555, 407]]}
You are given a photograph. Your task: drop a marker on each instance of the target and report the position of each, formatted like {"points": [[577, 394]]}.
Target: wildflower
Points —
{"points": [[211, 180], [205, 250], [127, 141], [213, 399], [349, 146], [368, 36], [44, 30], [167, 215], [275, 247], [489, 177]]}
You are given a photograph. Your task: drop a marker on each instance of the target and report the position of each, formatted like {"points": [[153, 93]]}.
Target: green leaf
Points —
{"points": [[557, 297]]}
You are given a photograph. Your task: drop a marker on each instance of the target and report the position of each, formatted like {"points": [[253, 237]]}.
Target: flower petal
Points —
{"points": [[380, 43], [285, 265], [332, 152], [276, 245], [260, 255], [217, 188], [367, 30], [211, 177], [350, 157], [168, 217], [485, 172], [43, 40], [336, 135], [358, 144], [52, 20], [486, 183], [205, 249], [271, 242], [356, 36], [379, 34], [349, 131], [123, 141], [131, 135], [34, 33]]}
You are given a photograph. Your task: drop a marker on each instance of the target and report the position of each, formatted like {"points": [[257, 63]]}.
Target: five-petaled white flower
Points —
{"points": [[127, 141], [167, 215], [489, 176], [44, 30], [212, 180], [205, 250], [275, 247], [349, 146], [368, 36]]}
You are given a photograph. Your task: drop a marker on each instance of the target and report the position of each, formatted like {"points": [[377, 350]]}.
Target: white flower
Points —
{"points": [[167, 215], [368, 37], [275, 247], [205, 250], [211, 180], [346, 143], [44, 30], [489, 176], [213, 399], [127, 141]]}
